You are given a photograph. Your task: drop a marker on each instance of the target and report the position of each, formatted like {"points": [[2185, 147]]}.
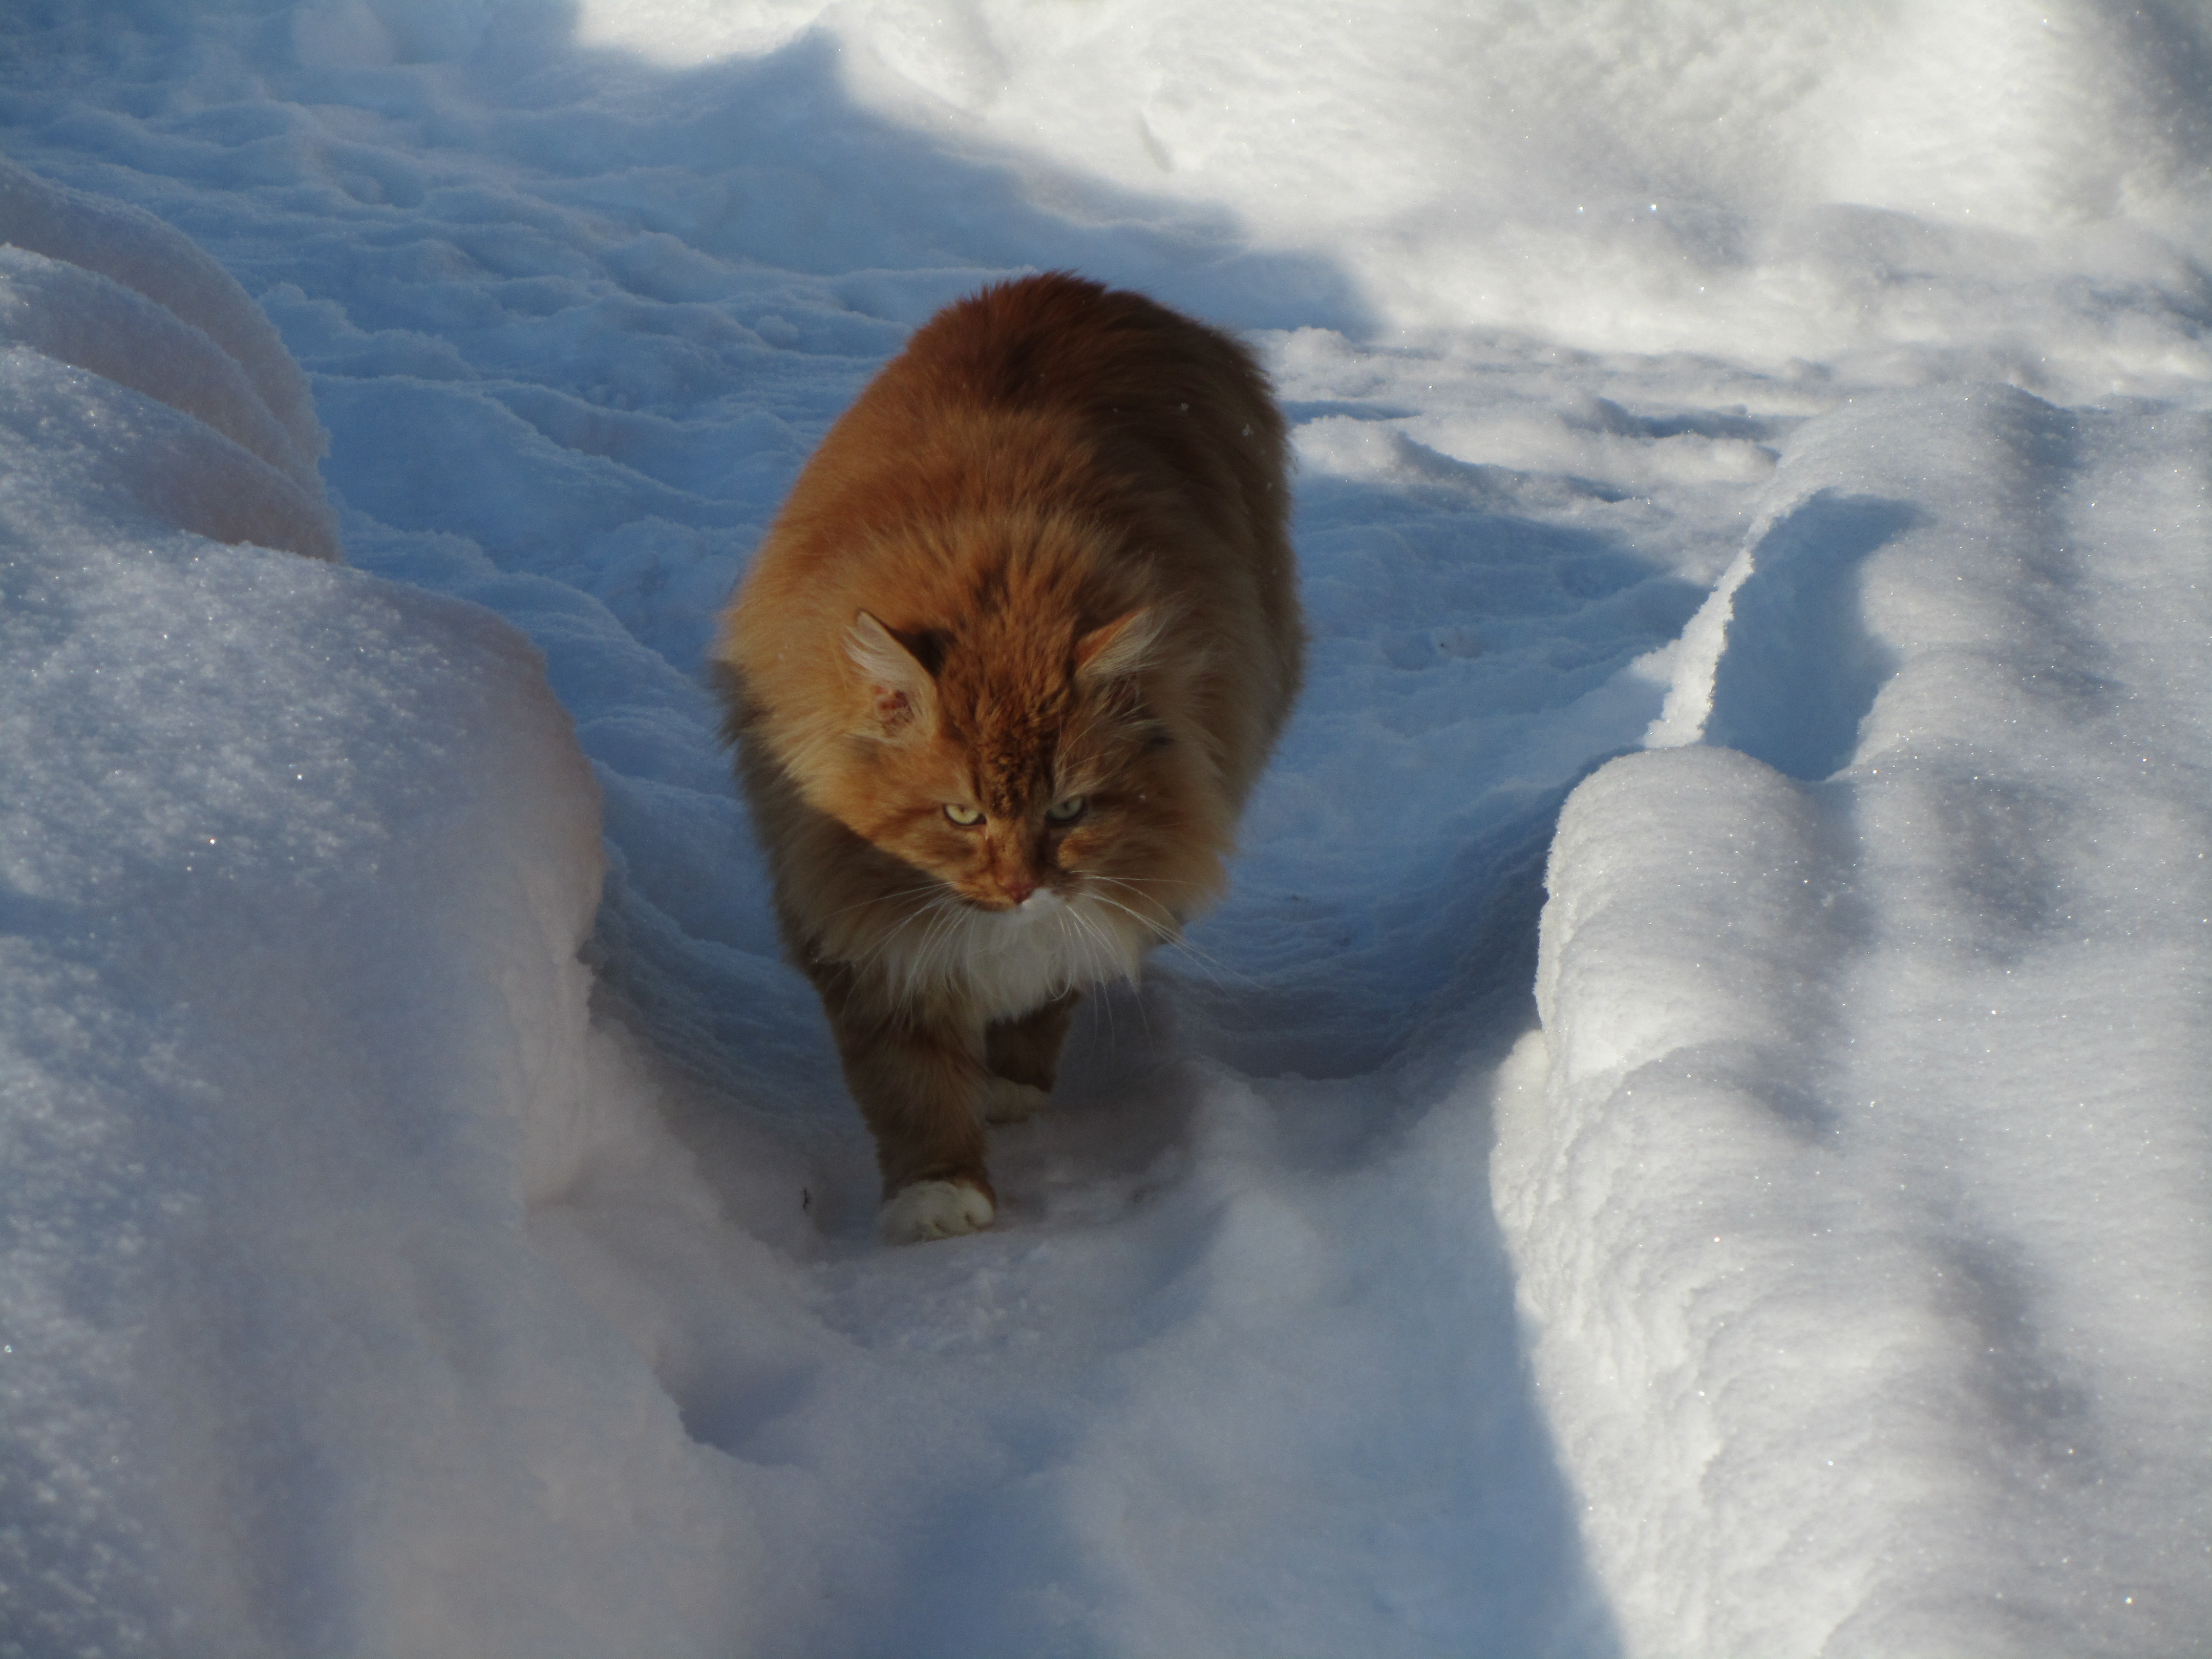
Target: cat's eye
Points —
{"points": [[966, 816], [1065, 811]]}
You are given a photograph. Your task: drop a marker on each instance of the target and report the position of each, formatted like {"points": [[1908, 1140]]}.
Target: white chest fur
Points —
{"points": [[1007, 963]]}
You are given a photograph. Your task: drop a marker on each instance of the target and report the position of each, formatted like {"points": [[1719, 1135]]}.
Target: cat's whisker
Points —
{"points": [[1213, 967], [1073, 918], [1131, 978], [896, 894], [1170, 924], [1098, 935], [936, 942], [1204, 968], [1153, 933], [1141, 883], [1069, 927], [880, 947], [904, 922], [1164, 931], [1173, 937], [905, 968]]}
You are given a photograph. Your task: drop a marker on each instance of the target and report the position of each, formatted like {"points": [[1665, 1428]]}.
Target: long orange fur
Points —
{"points": [[1000, 678]]}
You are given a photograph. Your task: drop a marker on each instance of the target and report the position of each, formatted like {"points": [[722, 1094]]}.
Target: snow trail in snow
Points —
{"points": [[1649, 380]]}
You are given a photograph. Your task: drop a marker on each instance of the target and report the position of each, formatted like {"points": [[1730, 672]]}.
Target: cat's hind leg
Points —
{"points": [[1024, 1058], [1005, 1100]]}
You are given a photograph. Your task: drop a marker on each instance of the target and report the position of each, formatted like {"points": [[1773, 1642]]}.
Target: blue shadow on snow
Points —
{"points": [[1800, 670]]}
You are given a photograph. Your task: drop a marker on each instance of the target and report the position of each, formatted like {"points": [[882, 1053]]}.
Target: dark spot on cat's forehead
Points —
{"points": [[1012, 765], [1009, 703]]}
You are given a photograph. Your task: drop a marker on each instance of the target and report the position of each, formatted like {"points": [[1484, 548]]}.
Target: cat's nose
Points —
{"points": [[1019, 888]]}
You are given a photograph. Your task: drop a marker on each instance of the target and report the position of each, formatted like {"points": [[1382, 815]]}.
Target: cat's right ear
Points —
{"points": [[901, 697]]}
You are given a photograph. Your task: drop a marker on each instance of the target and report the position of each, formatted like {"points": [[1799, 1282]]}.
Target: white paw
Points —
{"points": [[1005, 1100], [934, 1209]]}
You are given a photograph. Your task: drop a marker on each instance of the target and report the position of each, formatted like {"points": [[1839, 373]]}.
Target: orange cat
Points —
{"points": [[1000, 679]]}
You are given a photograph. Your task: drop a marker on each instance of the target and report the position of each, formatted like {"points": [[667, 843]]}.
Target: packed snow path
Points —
{"points": [[1815, 404]]}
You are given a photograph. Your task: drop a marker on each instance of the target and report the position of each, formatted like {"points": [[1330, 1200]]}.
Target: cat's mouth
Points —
{"points": [[1042, 903]]}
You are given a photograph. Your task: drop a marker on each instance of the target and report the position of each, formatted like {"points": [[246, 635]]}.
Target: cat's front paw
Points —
{"points": [[935, 1209], [1005, 1100]]}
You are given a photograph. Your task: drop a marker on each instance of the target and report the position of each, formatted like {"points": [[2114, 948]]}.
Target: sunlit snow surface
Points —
{"points": [[1811, 398]]}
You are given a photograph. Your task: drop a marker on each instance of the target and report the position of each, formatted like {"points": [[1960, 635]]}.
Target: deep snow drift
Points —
{"points": [[1870, 1125], [1810, 399]]}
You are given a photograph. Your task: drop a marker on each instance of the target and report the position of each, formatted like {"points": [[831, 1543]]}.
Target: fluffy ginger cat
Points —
{"points": [[1000, 678]]}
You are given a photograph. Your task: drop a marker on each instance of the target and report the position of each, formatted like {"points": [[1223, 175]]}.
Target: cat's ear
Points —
{"points": [[901, 697], [1119, 649]]}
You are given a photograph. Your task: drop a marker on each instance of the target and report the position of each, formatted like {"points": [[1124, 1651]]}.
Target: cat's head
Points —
{"points": [[1025, 766]]}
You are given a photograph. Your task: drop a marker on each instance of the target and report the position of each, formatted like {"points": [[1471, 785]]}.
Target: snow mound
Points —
{"points": [[294, 865], [222, 435], [1857, 1179]]}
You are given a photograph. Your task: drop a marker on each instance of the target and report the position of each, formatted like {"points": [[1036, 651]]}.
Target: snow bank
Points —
{"points": [[297, 864], [1858, 1181], [220, 433]]}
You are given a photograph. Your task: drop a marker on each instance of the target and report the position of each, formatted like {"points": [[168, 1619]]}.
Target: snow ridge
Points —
{"points": [[1838, 1197]]}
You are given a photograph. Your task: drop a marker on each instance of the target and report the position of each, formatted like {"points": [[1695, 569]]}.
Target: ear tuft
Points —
{"points": [[1122, 647], [902, 698]]}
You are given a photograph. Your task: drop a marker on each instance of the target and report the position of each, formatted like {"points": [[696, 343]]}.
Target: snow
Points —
{"points": [[1687, 1136], [1932, 1014]]}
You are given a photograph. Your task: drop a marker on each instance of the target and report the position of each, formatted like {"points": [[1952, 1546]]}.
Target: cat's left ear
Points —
{"points": [[1119, 649], [900, 694]]}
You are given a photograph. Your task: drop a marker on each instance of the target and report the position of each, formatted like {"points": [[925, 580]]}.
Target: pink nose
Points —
{"points": [[1019, 888]]}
